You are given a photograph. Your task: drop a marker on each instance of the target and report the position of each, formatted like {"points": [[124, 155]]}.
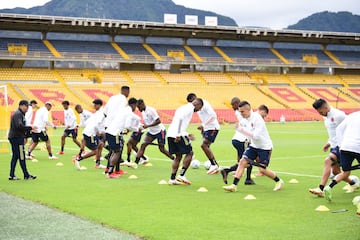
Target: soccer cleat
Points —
{"points": [[317, 192], [143, 161], [61, 152], [29, 157], [120, 172], [352, 188], [249, 182], [328, 193], [77, 165], [183, 179], [112, 175], [278, 185], [214, 169], [174, 182], [30, 177], [231, 188], [224, 174], [14, 178], [100, 166], [53, 157], [129, 164]]}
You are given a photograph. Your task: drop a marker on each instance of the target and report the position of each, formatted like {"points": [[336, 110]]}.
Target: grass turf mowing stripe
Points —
{"points": [[22, 219]]}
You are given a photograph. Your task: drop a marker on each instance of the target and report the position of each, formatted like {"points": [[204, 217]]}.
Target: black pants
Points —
{"points": [[18, 152]]}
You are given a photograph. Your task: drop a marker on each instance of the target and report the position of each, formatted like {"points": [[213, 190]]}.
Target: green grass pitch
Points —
{"points": [[145, 208]]}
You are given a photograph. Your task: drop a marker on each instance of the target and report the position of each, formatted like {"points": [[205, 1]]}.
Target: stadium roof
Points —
{"points": [[45, 24]]}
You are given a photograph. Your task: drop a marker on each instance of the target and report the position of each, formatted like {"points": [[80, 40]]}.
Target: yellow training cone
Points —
{"points": [[322, 208], [148, 164], [83, 168], [163, 182], [250, 197], [133, 177], [59, 164], [34, 160], [293, 181], [202, 189]]}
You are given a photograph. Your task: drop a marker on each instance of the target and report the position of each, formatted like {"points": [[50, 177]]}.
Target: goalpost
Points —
{"points": [[4, 119]]}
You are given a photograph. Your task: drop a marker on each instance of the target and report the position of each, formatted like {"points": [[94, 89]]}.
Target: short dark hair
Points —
{"points": [[66, 102], [190, 97], [77, 106], [24, 102], [140, 101], [200, 100], [319, 103], [125, 88], [263, 107], [97, 101], [33, 102], [244, 103], [132, 101]]}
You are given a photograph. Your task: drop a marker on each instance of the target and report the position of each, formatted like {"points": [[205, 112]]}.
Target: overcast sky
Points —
{"points": [[276, 14]]}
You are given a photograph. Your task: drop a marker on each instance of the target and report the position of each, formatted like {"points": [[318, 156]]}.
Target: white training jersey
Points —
{"points": [[117, 125], [113, 106], [256, 125], [241, 122], [28, 116], [150, 115], [348, 133], [84, 116], [133, 122], [42, 119], [95, 124], [332, 120], [180, 121], [69, 119], [208, 117]]}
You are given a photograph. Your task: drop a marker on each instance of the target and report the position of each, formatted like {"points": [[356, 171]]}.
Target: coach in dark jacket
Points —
{"points": [[16, 138]]}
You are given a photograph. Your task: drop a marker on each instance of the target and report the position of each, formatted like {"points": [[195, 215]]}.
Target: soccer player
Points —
{"points": [[114, 137], [348, 137], [40, 121], [29, 118], [332, 118], [156, 130], [209, 130], [179, 141], [16, 136], [93, 130], [239, 142], [260, 147], [83, 113], [70, 126]]}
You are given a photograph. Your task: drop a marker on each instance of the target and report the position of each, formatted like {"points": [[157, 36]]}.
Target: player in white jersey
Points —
{"points": [[92, 133], [84, 115], [114, 103], [260, 147], [209, 129], [70, 126], [332, 118], [156, 130], [179, 142], [239, 142], [41, 121], [29, 118], [348, 137], [114, 137]]}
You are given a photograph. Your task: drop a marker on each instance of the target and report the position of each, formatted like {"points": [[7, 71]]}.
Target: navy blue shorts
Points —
{"points": [[136, 136], [36, 137], [182, 147], [72, 132], [336, 152], [239, 146], [252, 153], [347, 158], [92, 142], [159, 136], [210, 135], [115, 142]]}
